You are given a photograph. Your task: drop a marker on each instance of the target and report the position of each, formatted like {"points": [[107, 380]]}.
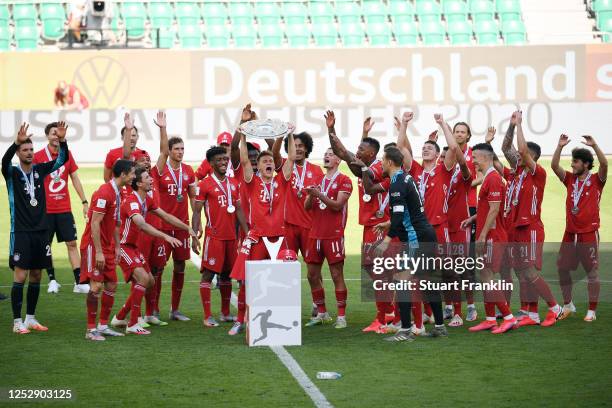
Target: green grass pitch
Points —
{"points": [[185, 364]]}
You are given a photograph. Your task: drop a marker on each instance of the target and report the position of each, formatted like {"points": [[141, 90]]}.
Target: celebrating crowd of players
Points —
{"points": [[139, 218]]}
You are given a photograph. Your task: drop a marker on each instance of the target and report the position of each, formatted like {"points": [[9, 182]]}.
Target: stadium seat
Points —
{"points": [[455, 10], [321, 13], [379, 34], [428, 10], [298, 35], [53, 17], [134, 17], [244, 36], [375, 12], [509, 10], [325, 35], [166, 37], [26, 38], [217, 36], [160, 14], [460, 33], [406, 33], [401, 11], [25, 15], [603, 12], [214, 13], [352, 34], [607, 26], [267, 13], [271, 35], [433, 33], [514, 32], [5, 38], [190, 36], [348, 12], [4, 15], [487, 32], [294, 13], [241, 13], [482, 10]]}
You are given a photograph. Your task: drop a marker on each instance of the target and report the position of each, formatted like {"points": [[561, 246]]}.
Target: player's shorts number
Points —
{"points": [[48, 248]]}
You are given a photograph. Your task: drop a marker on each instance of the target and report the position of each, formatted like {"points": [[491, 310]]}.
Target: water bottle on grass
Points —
{"points": [[328, 375]]}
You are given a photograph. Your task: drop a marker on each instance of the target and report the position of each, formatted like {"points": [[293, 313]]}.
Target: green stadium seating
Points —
{"points": [[607, 26], [509, 10], [432, 32], [352, 34], [134, 17], [460, 32], [298, 35], [375, 12], [267, 13], [53, 17], [401, 11], [348, 12], [4, 15], [487, 32], [428, 10], [482, 10], [514, 32], [217, 36], [166, 37], [321, 13], [214, 13], [241, 13], [26, 38], [603, 12], [602, 5], [190, 36], [5, 38], [325, 35], [160, 15], [294, 13], [455, 10], [406, 33], [25, 15], [379, 34], [271, 35], [244, 36]]}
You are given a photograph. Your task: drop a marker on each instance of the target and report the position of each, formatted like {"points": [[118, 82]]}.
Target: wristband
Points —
{"points": [[364, 169], [84, 202]]}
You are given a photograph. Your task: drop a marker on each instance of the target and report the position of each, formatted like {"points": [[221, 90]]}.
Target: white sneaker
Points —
{"points": [[81, 288], [456, 321], [340, 322], [428, 319], [236, 328], [177, 315], [53, 287], [154, 321], [19, 327], [143, 323], [92, 334], [210, 322], [567, 310], [472, 313], [392, 328], [107, 331], [418, 331], [590, 316], [448, 312], [32, 324], [137, 329], [118, 323]]}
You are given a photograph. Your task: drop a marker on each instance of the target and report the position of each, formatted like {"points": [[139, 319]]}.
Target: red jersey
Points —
{"points": [[510, 177], [492, 190], [302, 176], [56, 183], [173, 200], [206, 170], [215, 195], [585, 195], [115, 154], [327, 223], [266, 214], [472, 193], [368, 209], [433, 187], [151, 218], [527, 196], [457, 200], [106, 200], [131, 206]]}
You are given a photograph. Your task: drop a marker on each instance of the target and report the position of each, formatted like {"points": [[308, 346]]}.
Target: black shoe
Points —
{"points": [[3, 296], [438, 332]]}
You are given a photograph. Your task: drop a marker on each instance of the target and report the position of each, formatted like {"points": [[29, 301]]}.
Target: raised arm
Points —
{"points": [[601, 157], [449, 159], [22, 136], [62, 157], [556, 158], [245, 163], [337, 146], [496, 163], [164, 150], [288, 165], [526, 158], [127, 136], [402, 133], [508, 149], [368, 123]]}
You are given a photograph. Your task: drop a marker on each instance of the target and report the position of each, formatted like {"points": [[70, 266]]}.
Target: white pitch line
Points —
{"points": [[287, 359]]}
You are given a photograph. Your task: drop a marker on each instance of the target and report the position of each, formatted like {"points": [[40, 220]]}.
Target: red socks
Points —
{"points": [[178, 279], [318, 298], [341, 296], [205, 297], [417, 313], [150, 304], [92, 309], [138, 292], [157, 291], [593, 287], [108, 299], [241, 304], [225, 287]]}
